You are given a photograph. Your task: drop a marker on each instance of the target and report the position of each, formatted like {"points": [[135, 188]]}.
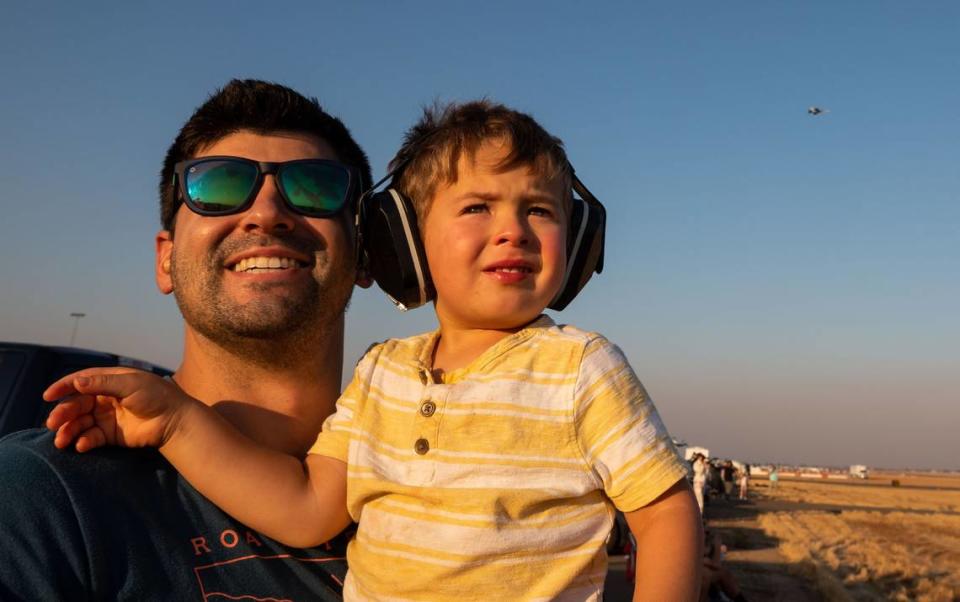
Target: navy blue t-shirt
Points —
{"points": [[121, 524]]}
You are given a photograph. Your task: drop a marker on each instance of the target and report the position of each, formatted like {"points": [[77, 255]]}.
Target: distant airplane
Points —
{"points": [[816, 111]]}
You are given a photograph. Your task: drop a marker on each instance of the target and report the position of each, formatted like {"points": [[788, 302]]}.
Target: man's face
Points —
{"points": [[267, 272], [495, 242]]}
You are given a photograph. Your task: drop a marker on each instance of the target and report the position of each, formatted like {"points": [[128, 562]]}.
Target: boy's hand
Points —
{"points": [[114, 406]]}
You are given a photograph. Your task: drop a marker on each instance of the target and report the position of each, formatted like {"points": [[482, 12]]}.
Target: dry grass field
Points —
{"points": [[868, 540], [915, 494]]}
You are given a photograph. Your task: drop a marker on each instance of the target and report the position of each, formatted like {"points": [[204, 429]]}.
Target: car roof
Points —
{"points": [[57, 348], [121, 360]]}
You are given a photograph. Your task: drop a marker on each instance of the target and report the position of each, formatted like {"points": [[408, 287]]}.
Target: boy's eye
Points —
{"points": [[476, 208], [540, 211]]}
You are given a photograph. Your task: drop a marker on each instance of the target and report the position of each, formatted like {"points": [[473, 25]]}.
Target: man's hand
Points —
{"points": [[114, 406]]}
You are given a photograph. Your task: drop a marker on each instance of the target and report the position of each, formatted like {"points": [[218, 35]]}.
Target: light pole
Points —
{"points": [[76, 324]]}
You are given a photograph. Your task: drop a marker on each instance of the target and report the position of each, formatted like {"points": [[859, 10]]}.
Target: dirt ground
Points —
{"points": [[753, 558], [892, 537], [883, 539]]}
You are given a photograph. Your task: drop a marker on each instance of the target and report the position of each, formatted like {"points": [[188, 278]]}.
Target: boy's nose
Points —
{"points": [[512, 229], [268, 211]]}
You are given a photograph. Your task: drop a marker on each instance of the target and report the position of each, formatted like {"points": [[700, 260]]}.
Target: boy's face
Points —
{"points": [[495, 242]]}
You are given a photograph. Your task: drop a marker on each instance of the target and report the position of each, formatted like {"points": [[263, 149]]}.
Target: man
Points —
{"points": [[727, 474], [260, 256]]}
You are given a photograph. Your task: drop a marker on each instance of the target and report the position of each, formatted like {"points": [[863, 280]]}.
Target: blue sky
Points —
{"points": [[786, 286]]}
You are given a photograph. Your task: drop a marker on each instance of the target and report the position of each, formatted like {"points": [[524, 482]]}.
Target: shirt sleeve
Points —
{"points": [[334, 438], [619, 430]]}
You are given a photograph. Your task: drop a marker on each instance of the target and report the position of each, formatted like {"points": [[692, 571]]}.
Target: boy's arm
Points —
{"points": [[669, 538], [629, 449], [300, 503]]}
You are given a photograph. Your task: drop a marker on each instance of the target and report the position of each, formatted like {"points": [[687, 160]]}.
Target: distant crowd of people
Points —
{"points": [[715, 478], [711, 477]]}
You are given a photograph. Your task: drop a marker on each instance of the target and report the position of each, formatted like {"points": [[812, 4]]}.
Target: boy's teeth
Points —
{"points": [[264, 263]]}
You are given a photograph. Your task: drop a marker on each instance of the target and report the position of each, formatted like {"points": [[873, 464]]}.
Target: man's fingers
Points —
{"points": [[83, 380]]}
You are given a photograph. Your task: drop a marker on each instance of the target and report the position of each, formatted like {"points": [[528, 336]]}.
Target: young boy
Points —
{"points": [[482, 461]]}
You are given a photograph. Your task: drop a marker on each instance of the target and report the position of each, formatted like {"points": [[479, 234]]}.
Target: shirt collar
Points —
{"points": [[424, 355]]}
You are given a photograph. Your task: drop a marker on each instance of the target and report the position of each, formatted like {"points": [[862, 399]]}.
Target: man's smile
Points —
{"points": [[267, 259], [261, 263]]}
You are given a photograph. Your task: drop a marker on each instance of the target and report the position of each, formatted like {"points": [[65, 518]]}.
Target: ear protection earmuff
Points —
{"points": [[392, 251], [585, 239], [393, 255]]}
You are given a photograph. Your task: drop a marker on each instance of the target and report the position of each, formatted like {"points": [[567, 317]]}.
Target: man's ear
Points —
{"points": [[364, 280], [164, 242]]}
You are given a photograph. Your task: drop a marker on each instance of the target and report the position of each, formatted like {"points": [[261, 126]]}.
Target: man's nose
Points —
{"points": [[268, 212]]}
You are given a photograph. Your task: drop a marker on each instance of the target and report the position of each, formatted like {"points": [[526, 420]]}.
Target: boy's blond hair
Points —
{"points": [[432, 148]]}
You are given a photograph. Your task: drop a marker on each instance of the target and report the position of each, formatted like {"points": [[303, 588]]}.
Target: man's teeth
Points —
{"points": [[517, 270], [265, 263]]}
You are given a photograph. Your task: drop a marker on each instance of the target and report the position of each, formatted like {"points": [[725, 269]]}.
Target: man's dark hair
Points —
{"points": [[261, 107]]}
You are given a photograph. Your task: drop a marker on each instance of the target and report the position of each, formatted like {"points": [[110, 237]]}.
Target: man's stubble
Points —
{"points": [[275, 327]]}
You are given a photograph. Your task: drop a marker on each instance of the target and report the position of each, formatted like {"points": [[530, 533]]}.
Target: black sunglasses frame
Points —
{"points": [[263, 169]]}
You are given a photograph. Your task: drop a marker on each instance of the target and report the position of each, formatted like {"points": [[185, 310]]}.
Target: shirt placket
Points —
{"points": [[426, 421]]}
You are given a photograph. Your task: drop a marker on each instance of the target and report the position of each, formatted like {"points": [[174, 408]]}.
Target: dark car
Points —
{"points": [[27, 369]]}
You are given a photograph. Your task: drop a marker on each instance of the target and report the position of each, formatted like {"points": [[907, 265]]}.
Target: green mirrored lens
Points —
{"points": [[316, 188], [219, 185]]}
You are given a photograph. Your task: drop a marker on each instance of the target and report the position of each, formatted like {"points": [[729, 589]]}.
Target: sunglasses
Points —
{"points": [[227, 185]]}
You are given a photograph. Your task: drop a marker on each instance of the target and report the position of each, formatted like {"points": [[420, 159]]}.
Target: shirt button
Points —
{"points": [[422, 446], [428, 408]]}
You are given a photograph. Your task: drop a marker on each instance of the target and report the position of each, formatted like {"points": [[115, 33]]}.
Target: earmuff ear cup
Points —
{"points": [[587, 228], [395, 255]]}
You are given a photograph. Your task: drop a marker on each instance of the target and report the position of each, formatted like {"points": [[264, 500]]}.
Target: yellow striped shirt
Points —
{"points": [[498, 483]]}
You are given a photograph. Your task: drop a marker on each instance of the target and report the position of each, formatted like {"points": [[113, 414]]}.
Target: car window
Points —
{"points": [[65, 369], [11, 364]]}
